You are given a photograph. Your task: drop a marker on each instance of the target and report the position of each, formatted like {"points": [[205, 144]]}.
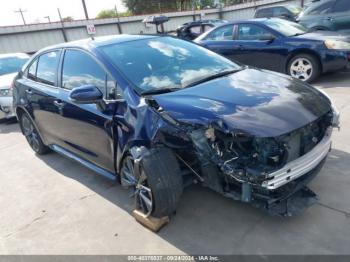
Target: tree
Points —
{"points": [[111, 13], [138, 7], [67, 19]]}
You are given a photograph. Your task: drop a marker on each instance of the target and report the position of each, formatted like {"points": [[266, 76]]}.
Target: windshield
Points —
{"points": [[285, 27], [165, 63], [10, 65]]}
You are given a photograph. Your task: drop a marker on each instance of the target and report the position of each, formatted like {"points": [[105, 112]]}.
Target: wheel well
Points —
{"points": [[300, 52]]}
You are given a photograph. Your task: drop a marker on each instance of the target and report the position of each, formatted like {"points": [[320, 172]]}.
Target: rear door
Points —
{"points": [[86, 129], [220, 40], [340, 15], [40, 92], [254, 50]]}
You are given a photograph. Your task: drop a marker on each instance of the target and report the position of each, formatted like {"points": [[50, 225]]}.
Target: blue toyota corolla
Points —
{"points": [[280, 45], [158, 114]]}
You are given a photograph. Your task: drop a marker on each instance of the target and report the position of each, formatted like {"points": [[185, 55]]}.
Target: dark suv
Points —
{"points": [[332, 15], [158, 113], [289, 12]]}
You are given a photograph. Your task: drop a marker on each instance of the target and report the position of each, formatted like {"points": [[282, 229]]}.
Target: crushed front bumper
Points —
{"points": [[300, 166]]}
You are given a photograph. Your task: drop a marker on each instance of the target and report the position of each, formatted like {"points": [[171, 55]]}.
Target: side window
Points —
{"points": [[47, 67], [342, 6], [32, 70], [195, 29], [222, 33], [207, 28], [266, 12], [279, 11], [112, 90], [321, 8], [81, 69], [251, 32]]}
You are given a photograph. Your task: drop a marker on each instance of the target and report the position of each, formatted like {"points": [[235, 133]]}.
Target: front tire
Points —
{"points": [[156, 181], [32, 135], [304, 67]]}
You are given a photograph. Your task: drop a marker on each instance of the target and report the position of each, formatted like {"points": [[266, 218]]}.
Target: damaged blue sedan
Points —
{"points": [[159, 113]]}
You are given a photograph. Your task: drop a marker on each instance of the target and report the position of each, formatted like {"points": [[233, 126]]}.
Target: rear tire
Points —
{"points": [[32, 135], [161, 182], [305, 67]]}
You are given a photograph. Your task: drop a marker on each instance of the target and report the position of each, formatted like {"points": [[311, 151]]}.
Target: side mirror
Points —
{"points": [[267, 37], [87, 94]]}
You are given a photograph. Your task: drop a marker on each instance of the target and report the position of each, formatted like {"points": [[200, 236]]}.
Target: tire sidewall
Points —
{"points": [[314, 63]]}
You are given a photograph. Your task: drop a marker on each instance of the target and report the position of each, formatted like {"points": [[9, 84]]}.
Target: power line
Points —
{"points": [[21, 12]]}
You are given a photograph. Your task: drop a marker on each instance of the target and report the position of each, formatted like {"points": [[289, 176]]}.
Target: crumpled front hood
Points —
{"points": [[6, 80], [262, 103]]}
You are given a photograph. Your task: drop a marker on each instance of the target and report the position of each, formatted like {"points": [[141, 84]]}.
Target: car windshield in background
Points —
{"points": [[165, 63], [286, 28], [10, 65]]}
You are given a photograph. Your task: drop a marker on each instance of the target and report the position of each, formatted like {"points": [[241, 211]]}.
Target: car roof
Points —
{"points": [[19, 55], [269, 7], [90, 43], [255, 20]]}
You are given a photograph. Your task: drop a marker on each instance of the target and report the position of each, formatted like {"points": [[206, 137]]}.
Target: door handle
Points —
{"points": [[58, 103], [29, 91]]}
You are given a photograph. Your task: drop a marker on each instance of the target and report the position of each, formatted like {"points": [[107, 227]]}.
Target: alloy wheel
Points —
{"points": [[133, 176], [30, 133], [301, 68]]}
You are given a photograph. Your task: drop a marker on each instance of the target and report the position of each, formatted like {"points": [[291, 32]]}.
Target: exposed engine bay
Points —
{"points": [[238, 165], [248, 159]]}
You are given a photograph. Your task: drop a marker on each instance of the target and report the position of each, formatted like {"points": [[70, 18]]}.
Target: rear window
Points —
{"points": [[46, 71], [266, 12]]}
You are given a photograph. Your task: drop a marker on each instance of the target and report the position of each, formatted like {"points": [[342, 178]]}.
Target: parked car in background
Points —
{"points": [[10, 64], [159, 113], [288, 12], [280, 45], [192, 30], [332, 15]]}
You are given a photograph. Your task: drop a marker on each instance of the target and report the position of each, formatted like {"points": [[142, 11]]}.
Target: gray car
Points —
{"points": [[332, 15]]}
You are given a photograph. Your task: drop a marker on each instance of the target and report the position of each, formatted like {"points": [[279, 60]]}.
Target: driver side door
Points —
{"points": [[259, 47], [86, 130]]}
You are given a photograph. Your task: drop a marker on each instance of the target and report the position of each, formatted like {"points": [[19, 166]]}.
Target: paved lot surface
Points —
{"points": [[51, 205]]}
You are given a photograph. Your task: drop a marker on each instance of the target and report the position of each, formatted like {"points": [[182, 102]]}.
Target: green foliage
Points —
{"points": [[67, 19], [111, 13], [137, 7]]}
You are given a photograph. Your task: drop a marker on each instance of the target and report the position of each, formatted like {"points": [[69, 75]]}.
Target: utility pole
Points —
{"points": [[85, 10], [48, 18], [62, 25], [118, 20], [21, 12]]}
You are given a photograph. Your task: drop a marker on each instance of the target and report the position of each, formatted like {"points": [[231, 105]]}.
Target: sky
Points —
{"points": [[36, 10]]}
